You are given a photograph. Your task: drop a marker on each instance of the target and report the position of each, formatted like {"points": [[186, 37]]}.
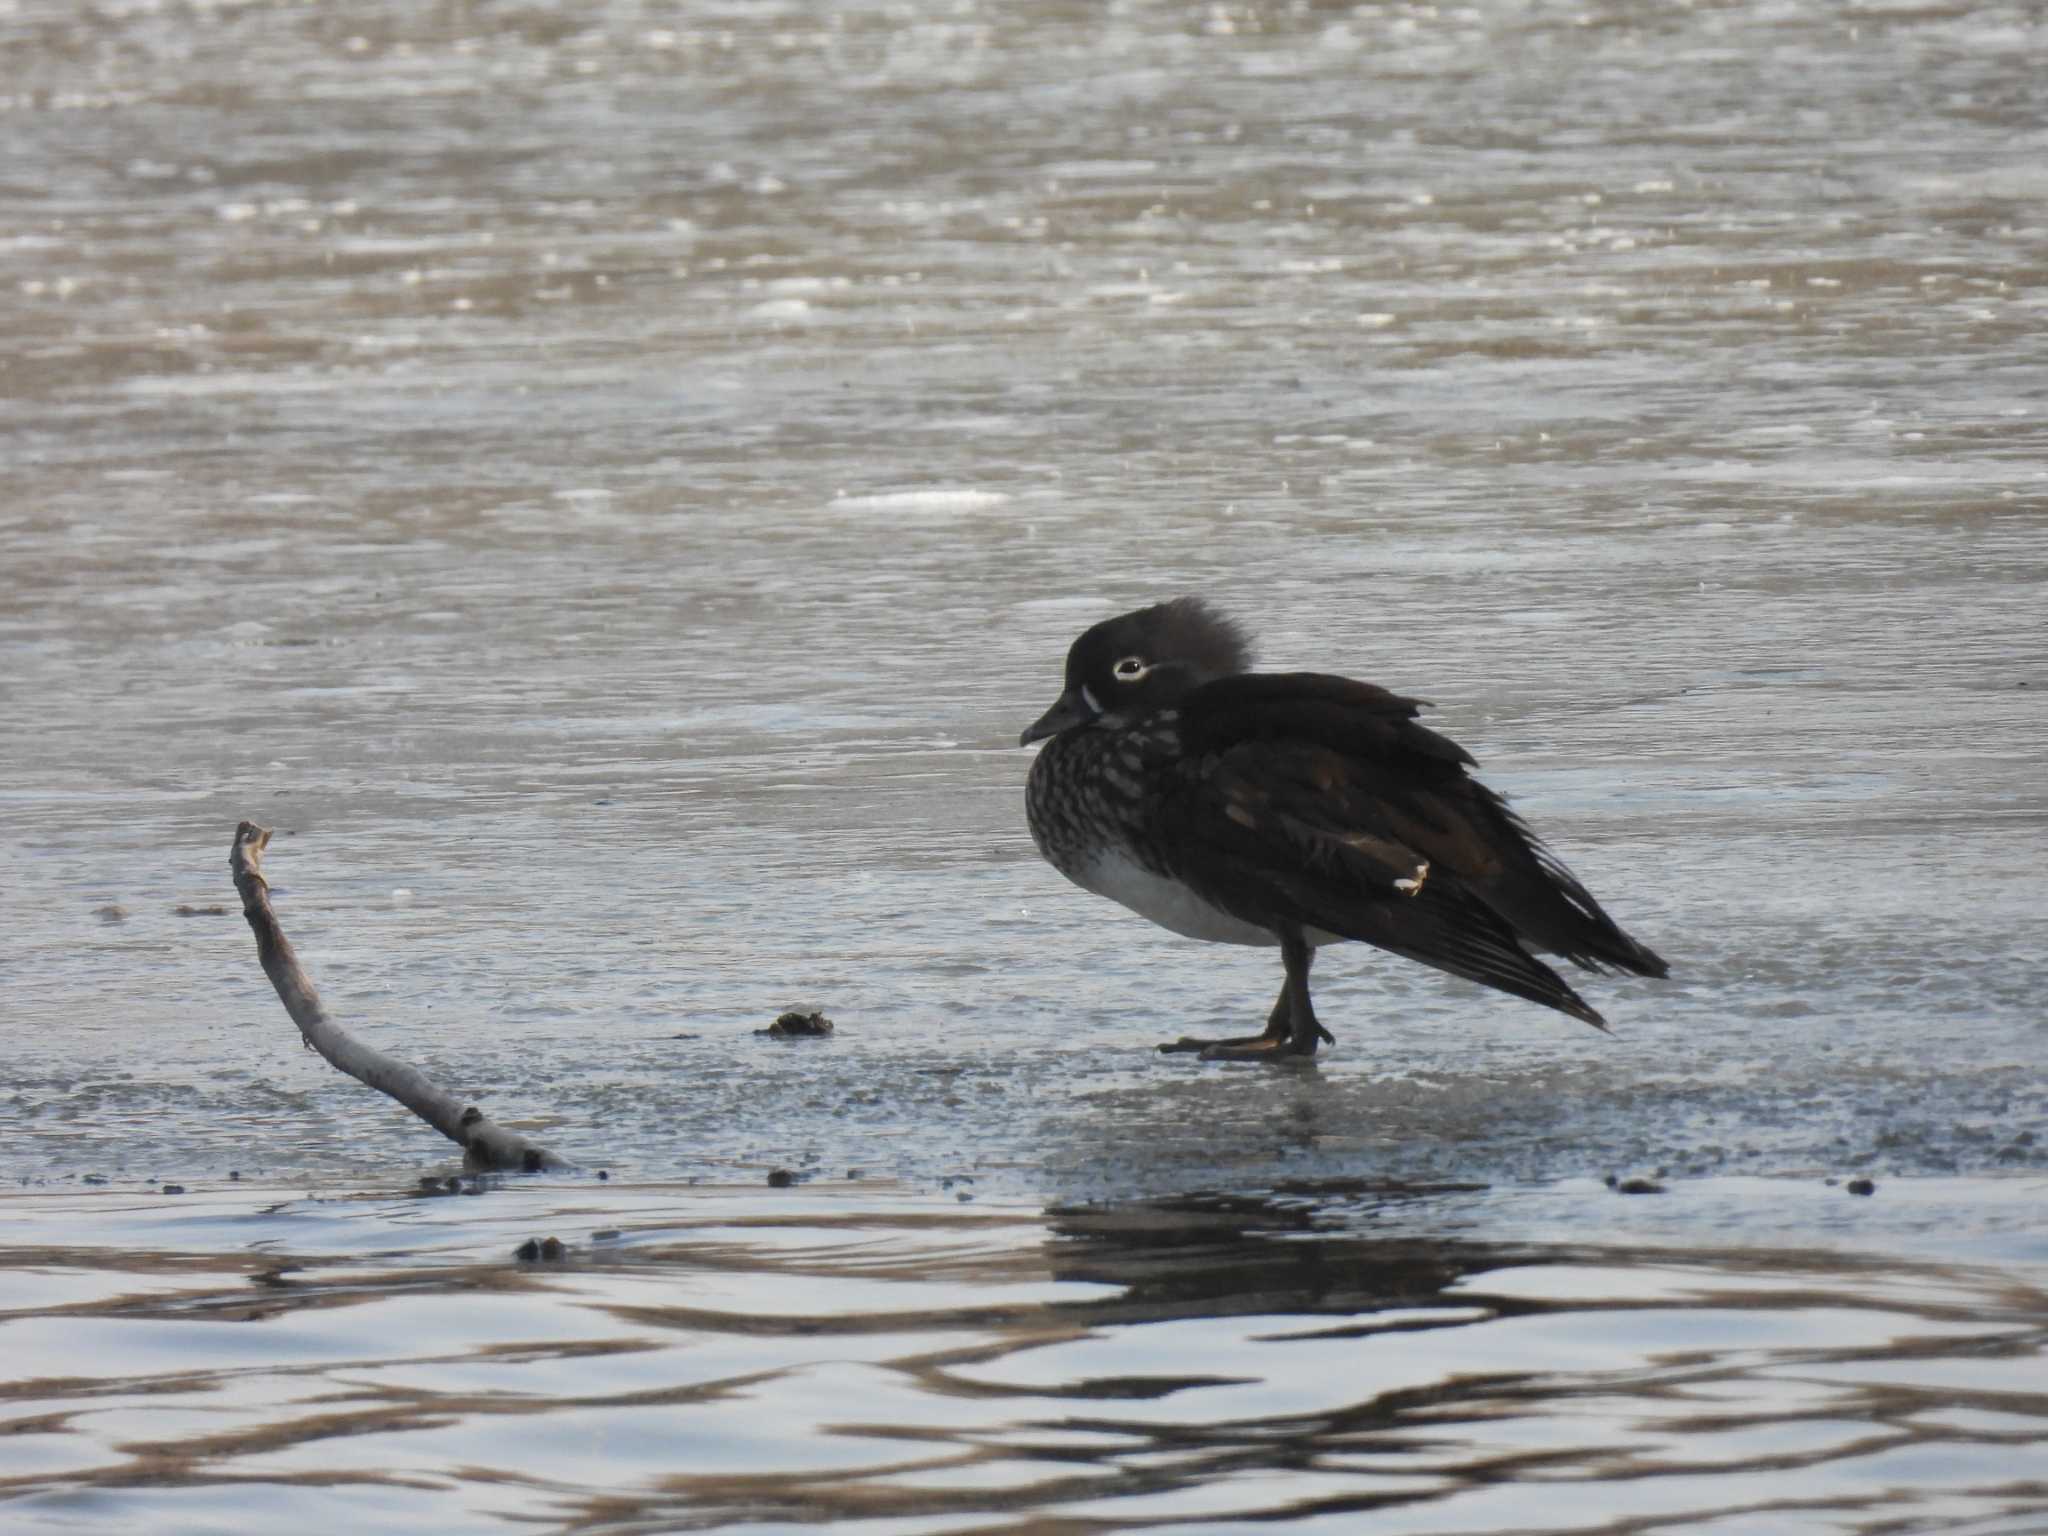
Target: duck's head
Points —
{"points": [[1137, 664]]}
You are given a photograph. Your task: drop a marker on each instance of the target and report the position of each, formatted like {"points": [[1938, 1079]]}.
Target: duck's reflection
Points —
{"points": [[1218, 1255]]}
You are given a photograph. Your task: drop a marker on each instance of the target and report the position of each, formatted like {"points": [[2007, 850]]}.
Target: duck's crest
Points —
{"points": [[1189, 629]]}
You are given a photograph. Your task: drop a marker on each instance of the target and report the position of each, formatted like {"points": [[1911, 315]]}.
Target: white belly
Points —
{"points": [[1166, 902]]}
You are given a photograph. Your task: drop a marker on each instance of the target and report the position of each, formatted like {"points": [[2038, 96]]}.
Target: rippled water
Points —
{"points": [[609, 484], [875, 1361]]}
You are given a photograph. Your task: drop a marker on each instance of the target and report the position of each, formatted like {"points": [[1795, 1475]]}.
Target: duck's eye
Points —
{"points": [[1130, 669]]}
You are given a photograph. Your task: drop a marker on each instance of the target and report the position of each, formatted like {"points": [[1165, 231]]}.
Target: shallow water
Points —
{"points": [[609, 485], [877, 1360]]}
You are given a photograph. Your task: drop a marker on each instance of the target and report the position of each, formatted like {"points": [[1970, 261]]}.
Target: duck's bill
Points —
{"points": [[1069, 711]]}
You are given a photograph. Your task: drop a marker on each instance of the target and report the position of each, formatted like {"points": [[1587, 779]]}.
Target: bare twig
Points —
{"points": [[484, 1143]]}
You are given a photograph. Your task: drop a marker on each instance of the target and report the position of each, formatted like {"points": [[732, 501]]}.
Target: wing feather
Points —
{"points": [[1325, 798]]}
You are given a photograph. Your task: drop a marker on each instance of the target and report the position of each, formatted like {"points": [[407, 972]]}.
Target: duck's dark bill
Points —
{"points": [[1069, 711]]}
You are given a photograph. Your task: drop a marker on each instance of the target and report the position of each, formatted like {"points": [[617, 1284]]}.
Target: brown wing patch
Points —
{"points": [[1383, 850]]}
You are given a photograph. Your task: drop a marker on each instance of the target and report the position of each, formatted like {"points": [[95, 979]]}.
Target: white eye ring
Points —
{"points": [[1130, 669]]}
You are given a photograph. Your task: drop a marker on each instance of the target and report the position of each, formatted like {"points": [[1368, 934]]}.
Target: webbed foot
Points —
{"points": [[1265, 1048], [1192, 1043], [1250, 1048]]}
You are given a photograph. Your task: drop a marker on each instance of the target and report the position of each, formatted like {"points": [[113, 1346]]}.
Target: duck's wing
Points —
{"points": [[1328, 799]]}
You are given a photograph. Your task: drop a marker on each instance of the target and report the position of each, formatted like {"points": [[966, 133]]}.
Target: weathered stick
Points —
{"points": [[484, 1143]]}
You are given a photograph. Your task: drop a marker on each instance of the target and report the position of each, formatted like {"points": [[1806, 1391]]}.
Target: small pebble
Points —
{"points": [[1639, 1187], [780, 1178], [174, 1189], [1862, 1187], [111, 913], [797, 1025]]}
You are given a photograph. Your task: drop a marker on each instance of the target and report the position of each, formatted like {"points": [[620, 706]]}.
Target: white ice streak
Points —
{"points": [[937, 502]]}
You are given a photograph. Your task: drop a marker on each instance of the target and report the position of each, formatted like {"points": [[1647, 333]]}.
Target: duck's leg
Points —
{"points": [[1298, 955], [1291, 1028]]}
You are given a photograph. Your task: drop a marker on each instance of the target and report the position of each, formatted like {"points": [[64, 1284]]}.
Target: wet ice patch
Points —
{"points": [[937, 502]]}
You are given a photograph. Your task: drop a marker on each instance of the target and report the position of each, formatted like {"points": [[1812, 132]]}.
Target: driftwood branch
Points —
{"points": [[484, 1143]]}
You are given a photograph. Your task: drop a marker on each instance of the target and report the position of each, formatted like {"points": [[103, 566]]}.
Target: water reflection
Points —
{"points": [[867, 1359]]}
